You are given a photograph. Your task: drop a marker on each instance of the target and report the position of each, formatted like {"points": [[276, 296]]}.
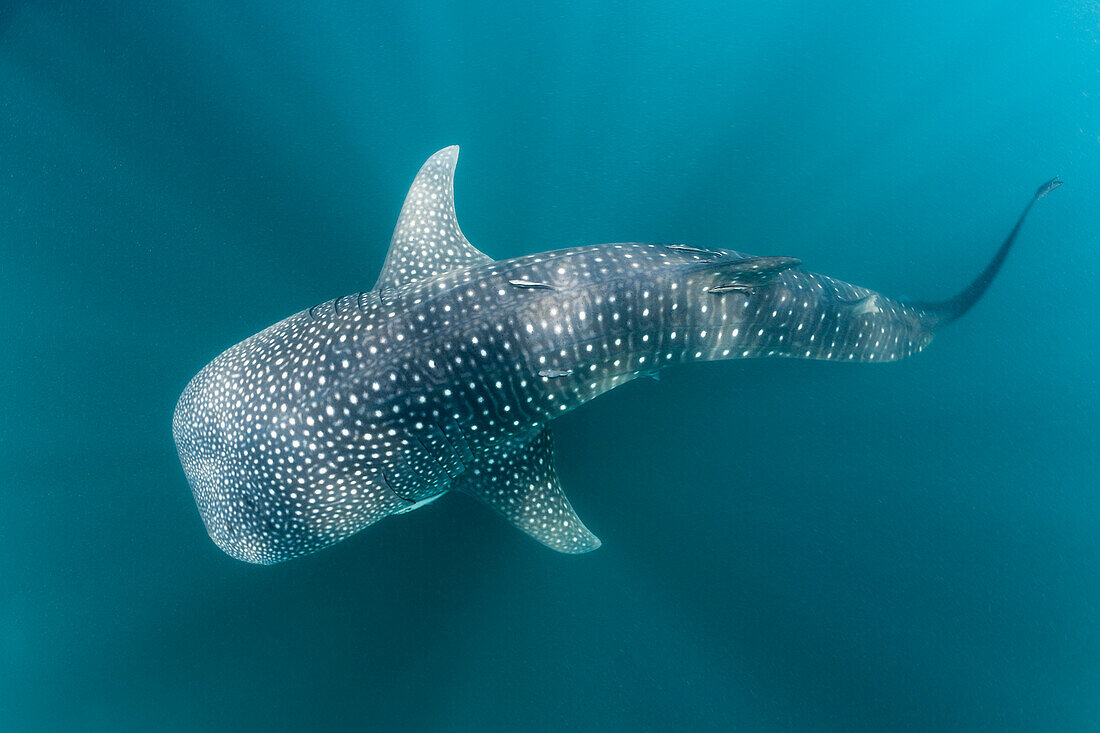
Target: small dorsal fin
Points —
{"points": [[745, 274], [521, 484], [756, 269], [427, 240]]}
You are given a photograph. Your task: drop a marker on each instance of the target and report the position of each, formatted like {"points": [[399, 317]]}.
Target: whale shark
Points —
{"points": [[445, 376]]}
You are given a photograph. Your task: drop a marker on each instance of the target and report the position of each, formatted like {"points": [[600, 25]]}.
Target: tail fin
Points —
{"points": [[950, 310]]}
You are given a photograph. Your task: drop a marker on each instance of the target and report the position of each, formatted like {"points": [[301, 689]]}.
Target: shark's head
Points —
{"points": [[240, 517], [273, 473]]}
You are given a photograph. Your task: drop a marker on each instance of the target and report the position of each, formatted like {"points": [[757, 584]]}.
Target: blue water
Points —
{"points": [[788, 545]]}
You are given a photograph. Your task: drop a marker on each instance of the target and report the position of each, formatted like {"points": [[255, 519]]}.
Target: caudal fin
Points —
{"points": [[947, 311]]}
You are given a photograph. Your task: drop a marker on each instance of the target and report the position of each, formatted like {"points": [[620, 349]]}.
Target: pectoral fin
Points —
{"points": [[521, 484]]}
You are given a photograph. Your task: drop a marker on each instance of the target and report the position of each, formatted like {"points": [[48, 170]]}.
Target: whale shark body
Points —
{"points": [[446, 375]]}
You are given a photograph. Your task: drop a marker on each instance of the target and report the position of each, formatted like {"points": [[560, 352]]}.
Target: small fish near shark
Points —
{"points": [[446, 375]]}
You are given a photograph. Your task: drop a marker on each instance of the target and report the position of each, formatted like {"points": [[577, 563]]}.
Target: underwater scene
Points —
{"points": [[313, 422]]}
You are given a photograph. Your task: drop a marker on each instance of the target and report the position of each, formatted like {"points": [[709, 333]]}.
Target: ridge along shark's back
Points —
{"points": [[445, 375]]}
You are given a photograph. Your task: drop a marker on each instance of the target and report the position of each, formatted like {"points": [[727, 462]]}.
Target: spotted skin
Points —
{"points": [[445, 376]]}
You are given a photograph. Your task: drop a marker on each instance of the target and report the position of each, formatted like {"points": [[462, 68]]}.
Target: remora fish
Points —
{"points": [[446, 375]]}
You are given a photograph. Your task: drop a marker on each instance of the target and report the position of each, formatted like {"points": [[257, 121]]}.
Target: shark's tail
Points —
{"points": [[952, 309]]}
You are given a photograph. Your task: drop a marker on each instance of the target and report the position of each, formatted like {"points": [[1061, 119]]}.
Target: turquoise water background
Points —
{"points": [[788, 545]]}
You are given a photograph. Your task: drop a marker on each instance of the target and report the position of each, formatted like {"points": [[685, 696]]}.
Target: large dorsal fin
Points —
{"points": [[427, 241], [521, 484]]}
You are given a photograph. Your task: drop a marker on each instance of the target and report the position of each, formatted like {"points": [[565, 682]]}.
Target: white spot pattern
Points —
{"points": [[447, 374]]}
